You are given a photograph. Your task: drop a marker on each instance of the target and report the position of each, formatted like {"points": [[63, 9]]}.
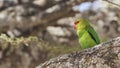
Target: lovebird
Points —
{"points": [[87, 36]]}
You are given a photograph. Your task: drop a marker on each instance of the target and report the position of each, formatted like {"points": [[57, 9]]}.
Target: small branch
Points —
{"points": [[112, 3]]}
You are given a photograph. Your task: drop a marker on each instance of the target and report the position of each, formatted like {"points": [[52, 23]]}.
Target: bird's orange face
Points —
{"points": [[75, 23]]}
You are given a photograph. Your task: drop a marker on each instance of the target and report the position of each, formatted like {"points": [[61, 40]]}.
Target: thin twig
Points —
{"points": [[112, 3]]}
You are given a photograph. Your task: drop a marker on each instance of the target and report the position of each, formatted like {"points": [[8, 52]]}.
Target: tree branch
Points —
{"points": [[105, 55], [112, 3]]}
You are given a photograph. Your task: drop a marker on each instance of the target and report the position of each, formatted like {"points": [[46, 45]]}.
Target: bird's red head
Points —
{"points": [[75, 23]]}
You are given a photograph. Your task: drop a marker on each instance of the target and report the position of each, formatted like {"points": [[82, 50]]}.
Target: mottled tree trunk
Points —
{"points": [[105, 55]]}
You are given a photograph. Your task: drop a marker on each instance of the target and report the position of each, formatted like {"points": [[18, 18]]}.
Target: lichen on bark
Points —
{"points": [[104, 55]]}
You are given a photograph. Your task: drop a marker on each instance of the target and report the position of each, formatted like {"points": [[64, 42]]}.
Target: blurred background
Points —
{"points": [[34, 31]]}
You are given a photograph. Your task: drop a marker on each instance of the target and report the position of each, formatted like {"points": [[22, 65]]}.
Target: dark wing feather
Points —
{"points": [[93, 34]]}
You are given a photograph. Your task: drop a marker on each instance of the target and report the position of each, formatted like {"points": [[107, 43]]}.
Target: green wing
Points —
{"points": [[93, 34]]}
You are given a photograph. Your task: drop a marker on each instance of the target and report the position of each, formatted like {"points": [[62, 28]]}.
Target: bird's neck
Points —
{"points": [[82, 27], [80, 32]]}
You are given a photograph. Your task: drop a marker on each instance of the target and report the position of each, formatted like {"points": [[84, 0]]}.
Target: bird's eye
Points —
{"points": [[76, 22]]}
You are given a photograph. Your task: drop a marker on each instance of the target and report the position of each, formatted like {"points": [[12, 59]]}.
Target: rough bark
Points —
{"points": [[104, 55]]}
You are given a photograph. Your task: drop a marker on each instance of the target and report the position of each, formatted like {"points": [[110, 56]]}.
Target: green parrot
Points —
{"points": [[86, 34]]}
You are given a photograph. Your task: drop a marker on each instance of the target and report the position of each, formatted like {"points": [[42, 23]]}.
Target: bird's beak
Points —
{"points": [[74, 26]]}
